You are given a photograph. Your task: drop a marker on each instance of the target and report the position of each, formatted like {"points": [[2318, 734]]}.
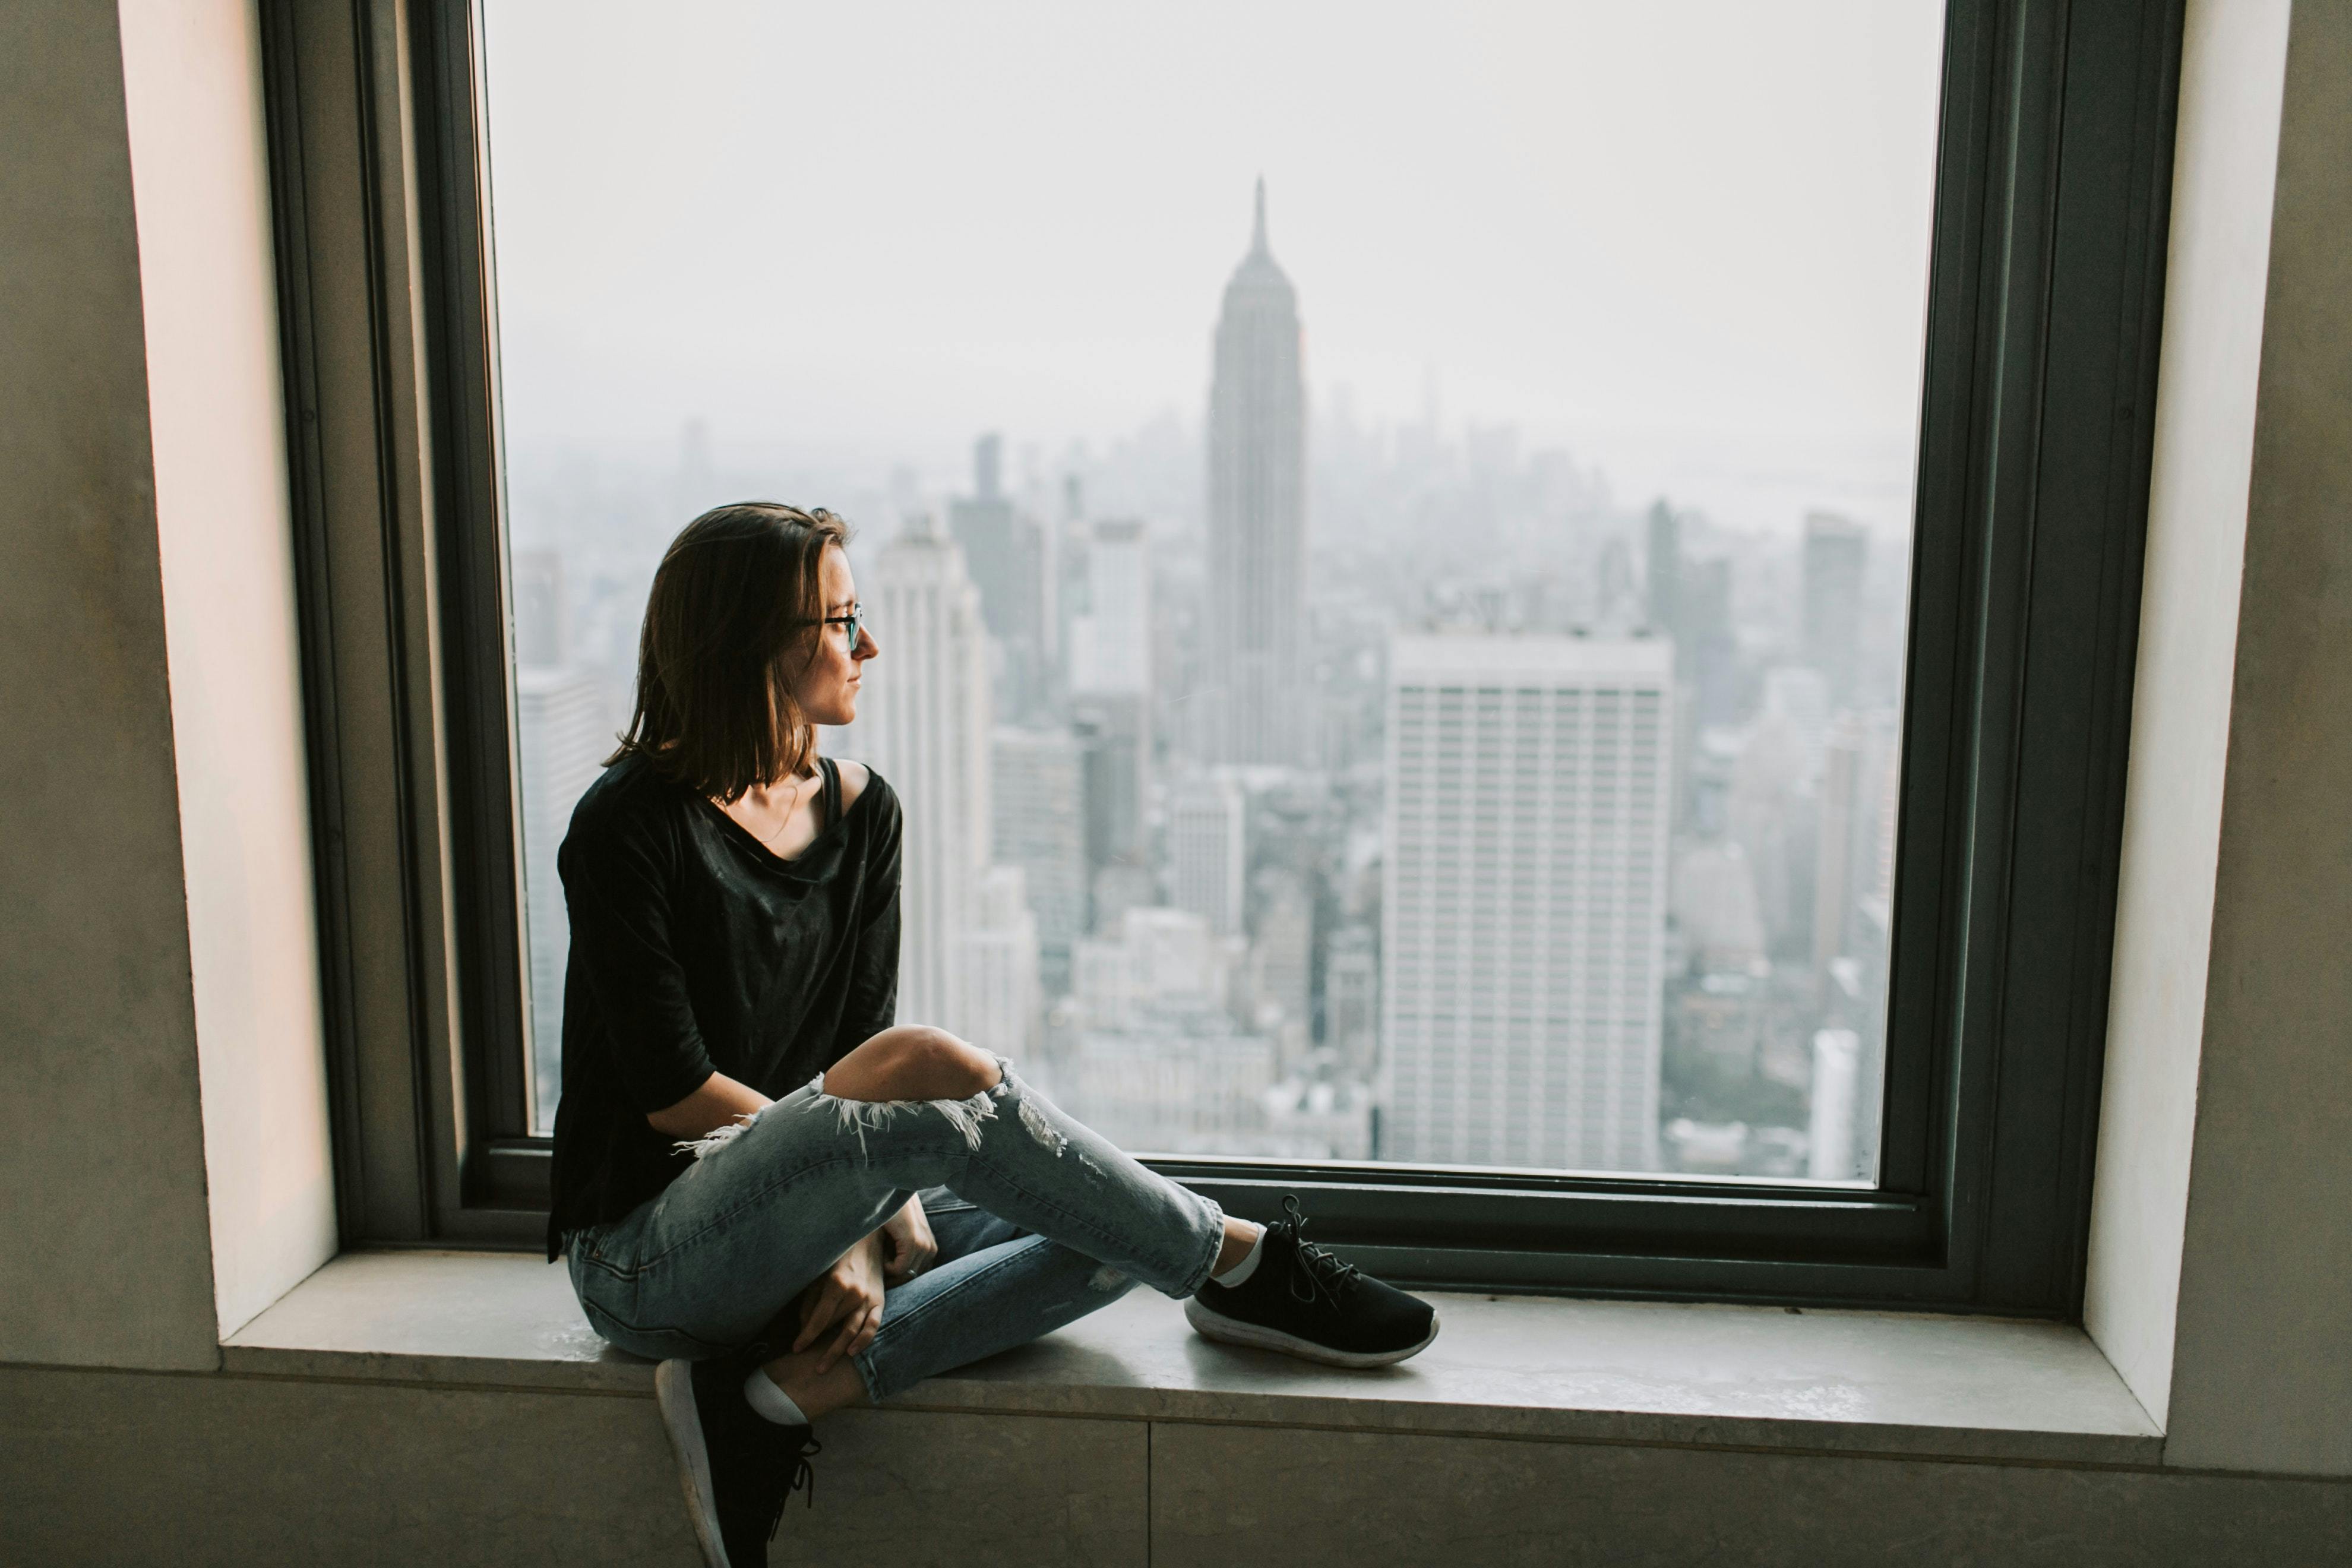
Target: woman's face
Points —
{"points": [[827, 688]]}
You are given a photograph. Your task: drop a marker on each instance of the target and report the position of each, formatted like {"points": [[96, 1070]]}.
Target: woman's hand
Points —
{"points": [[843, 1302], [907, 1246]]}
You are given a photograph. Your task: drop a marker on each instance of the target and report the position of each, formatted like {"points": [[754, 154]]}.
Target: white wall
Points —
{"points": [[2233, 61], [199, 168]]}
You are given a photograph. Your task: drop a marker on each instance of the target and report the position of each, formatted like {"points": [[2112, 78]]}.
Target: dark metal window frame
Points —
{"points": [[2052, 188]]}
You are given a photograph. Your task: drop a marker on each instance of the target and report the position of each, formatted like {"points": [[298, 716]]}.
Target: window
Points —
{"points": [[1799, 737]]}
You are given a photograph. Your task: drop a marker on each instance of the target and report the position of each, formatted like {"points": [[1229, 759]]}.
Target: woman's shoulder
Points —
{"points": [[855, 777], [859, 779], [629, 800]]}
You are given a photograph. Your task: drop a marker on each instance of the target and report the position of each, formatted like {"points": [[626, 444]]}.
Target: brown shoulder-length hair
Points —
{"points": [[735, 609]]}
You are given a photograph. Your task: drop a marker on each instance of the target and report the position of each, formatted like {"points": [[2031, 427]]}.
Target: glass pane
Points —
{"points": [[1430, 487]]}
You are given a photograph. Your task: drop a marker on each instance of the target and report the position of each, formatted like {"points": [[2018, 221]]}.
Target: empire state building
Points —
{"points": [[1257, 518]]}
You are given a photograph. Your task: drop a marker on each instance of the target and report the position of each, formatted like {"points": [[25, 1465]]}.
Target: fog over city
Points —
{"points": [[1684, 241], [1388, 526]]}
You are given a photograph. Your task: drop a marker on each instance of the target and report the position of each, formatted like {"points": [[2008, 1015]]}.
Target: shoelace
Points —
{"points": [[1315, 1272], [803, 1480]]}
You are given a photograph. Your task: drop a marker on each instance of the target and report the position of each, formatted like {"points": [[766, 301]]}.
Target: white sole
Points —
{"points": [[674, 1392], [1216, 1326]]}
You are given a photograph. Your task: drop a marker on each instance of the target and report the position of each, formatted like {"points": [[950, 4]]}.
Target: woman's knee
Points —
{"points": [[912, 1062]]}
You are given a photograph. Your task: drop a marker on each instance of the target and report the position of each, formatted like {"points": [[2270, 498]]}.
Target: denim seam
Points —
{"points": [[921, 1310], [1208, 1264], [630, 1328], [953, 1206], [626, 1275], [864, 1361], [949, 1294]]}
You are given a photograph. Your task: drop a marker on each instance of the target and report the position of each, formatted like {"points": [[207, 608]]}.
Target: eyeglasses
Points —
{"points": [[852, 623]]}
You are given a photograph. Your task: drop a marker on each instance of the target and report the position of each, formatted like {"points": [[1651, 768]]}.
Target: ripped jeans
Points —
{"points": [[1039, 1221]]}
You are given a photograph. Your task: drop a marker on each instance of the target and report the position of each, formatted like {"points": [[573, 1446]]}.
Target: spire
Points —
{"points": [[1257, 233]]}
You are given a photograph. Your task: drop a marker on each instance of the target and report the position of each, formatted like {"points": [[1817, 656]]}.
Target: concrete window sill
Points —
{"points": [[1523, 1367]]}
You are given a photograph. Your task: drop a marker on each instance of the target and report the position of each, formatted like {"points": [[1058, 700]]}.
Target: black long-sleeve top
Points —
{"points": [[694, 950]]}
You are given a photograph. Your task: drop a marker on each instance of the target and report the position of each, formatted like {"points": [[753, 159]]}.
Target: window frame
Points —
{"points": [[2053, 169]]}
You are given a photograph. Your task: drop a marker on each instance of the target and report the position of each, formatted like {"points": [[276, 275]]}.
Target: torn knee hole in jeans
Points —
{"points": [[860, 1116], [717, 1138], [1034, 1119]]}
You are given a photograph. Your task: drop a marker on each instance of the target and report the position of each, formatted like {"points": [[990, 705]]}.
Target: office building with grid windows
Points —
{"points": [[925, 724], [1524, 900]]}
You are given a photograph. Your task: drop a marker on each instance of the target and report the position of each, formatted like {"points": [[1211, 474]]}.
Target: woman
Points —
{"points": [[760, 1180]]}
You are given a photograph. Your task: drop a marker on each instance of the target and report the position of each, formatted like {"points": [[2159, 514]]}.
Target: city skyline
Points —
{"points": [[1291, 782], [1617, 873]]}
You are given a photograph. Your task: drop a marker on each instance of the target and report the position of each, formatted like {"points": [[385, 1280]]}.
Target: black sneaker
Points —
{"points": [[1305, 1302], [737, 1466]]}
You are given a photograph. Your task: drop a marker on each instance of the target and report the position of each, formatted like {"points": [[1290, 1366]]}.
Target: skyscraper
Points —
{"points": [[1523, 900], [1041, 827], [1258, 515], [1831, 1146], [560, 741], [1835, 549], [1770, 806], [1004, 552], [1662, 585], [1205, 851], [1351, 999], [1282, 938], [1110, 641], [1663, 570], [926, 726], [1111, 688], [535, 582], [1837, 842], [1113, 733], [998, 965], [1706, 652]]}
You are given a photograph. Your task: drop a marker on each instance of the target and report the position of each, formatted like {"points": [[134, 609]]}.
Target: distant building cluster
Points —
{"points": [[1483, 822]]}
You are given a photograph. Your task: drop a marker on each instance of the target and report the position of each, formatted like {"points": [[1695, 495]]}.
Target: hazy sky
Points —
{"points": [[1675, 236]]}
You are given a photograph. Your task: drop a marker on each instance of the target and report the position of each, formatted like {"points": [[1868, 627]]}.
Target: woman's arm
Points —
{"points": [[718, 1101], [618, 870]]}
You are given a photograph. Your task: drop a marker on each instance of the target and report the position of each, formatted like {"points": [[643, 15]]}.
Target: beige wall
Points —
{"points": [[223, 1471], [199, 168], [162, 1098], [106, 1257], [240, 1472], [2262, 1363], [2232, 62], [2220, 1281]]}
